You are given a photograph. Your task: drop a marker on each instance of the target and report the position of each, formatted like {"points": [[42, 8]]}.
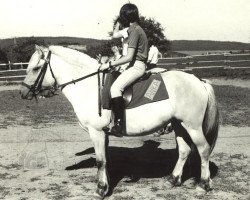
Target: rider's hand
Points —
{"points": [[104, 66]]}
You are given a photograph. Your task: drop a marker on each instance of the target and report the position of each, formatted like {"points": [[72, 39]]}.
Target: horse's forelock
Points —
{"points": [[74, 57]]}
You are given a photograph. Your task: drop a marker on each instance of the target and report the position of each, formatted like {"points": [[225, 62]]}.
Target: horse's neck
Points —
{"points": [[66, 72], [82, 91]]}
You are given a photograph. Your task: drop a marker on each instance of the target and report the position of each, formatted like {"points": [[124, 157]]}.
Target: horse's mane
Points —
{"points": [[74, 57]]}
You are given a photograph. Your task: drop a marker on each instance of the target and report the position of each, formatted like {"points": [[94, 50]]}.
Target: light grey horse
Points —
{"points": [[191, 108]]}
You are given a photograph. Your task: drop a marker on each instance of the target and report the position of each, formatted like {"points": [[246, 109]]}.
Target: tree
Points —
{"points": [[155, 33], [23, 51], [104, 49], [3, 57], [153, 30]]}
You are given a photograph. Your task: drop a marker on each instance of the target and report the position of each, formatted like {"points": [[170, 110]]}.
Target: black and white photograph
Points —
{"points": [[124, 99]]}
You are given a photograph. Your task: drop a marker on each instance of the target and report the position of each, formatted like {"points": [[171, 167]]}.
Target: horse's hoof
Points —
{"points": [[96, 196], [102, 190], [206, 185], [174, 181]]}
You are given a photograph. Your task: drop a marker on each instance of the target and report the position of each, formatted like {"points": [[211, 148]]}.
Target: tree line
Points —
{"points": [[21, 50]]}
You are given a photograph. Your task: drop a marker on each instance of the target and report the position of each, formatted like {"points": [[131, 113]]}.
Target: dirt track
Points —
{"points": [[56, 161]]}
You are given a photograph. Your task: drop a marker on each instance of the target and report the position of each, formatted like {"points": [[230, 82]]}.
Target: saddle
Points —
{"points": [[147, 89]]}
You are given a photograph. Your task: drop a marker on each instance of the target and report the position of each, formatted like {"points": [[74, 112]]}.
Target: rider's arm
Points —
{"points": [[125, 59], [117, 33], [132, 46], [150, 55]]}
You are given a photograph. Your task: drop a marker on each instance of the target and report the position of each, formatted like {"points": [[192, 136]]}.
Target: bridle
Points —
{"points": [[37, 87]]}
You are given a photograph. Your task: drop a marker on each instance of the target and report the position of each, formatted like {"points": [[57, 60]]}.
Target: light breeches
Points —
{"points": [[127, 77]]}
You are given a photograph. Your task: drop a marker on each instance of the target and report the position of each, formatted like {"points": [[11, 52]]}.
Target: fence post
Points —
{"points": [[9, 65]]}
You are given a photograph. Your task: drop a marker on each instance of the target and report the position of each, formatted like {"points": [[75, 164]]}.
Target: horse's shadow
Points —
{"points": [[147, 161]]}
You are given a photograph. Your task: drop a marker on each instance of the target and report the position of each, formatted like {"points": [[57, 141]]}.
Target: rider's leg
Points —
{"points": [[117, 105], [123, 81]]}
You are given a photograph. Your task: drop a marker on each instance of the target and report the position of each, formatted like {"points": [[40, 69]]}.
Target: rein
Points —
{"points": [[77, 80], [84, 77], [99, 86]]}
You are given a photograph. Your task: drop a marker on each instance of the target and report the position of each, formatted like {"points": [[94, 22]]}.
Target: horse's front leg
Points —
{"points": [[100, 140]]}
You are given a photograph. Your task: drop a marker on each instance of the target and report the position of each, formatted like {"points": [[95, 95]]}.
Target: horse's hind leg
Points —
{"points": [[203, 147], [183, 150]]}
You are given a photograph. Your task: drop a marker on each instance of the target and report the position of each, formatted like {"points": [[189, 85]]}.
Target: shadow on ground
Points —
{"points": [[146, 161]]}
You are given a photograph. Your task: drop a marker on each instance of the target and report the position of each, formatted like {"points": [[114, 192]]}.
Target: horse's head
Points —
{"points": [[40, 79]]}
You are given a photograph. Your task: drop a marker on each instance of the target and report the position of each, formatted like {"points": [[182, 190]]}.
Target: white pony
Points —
{"points": [[191, 108]]}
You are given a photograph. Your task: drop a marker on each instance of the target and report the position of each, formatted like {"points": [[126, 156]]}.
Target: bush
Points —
{"points": [[3, 57], [22, 52], [104, 49]]}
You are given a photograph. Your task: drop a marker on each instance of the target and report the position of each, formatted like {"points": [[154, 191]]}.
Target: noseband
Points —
{"points": [[37, 87]]}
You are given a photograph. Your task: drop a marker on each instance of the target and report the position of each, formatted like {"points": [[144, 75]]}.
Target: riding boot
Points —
{"points": [[118, 109]]}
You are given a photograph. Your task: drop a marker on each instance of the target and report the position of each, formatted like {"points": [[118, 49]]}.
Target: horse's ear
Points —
{"points": [[39, 50], [37, 47]]}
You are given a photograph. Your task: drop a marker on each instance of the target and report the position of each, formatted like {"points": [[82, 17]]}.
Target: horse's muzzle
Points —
{"points": [[47, 93], [25, 93]]}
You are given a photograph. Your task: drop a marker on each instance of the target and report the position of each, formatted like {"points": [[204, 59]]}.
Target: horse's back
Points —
{"points": [[180, 75], [183, 83], [186, 92]]}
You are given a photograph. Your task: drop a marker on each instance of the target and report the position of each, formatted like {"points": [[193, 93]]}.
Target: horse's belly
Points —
{"points": [[148, 118]]}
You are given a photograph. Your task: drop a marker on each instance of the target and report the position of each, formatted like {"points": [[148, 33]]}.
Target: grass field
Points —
{"points": [[233, 101]]}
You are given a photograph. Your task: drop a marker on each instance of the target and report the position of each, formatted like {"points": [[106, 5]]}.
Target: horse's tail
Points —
{"points": [[210, 124]]}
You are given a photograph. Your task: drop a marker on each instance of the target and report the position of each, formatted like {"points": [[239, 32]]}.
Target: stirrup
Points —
{"points": [[117, 129], [107, 131]]}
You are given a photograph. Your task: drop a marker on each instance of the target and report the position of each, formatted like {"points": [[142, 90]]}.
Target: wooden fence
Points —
{"points": [[12, 72], [201, 65], [210, 65]]}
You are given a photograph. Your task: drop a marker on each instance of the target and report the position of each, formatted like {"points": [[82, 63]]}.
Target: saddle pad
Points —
{"points": [[144, 91], [147, 91]]}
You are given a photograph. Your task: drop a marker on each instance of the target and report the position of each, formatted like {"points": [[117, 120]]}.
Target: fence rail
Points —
{"points": [[210, 57], [13, 66], [201, 65], [210, 65], [12, 72]]}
